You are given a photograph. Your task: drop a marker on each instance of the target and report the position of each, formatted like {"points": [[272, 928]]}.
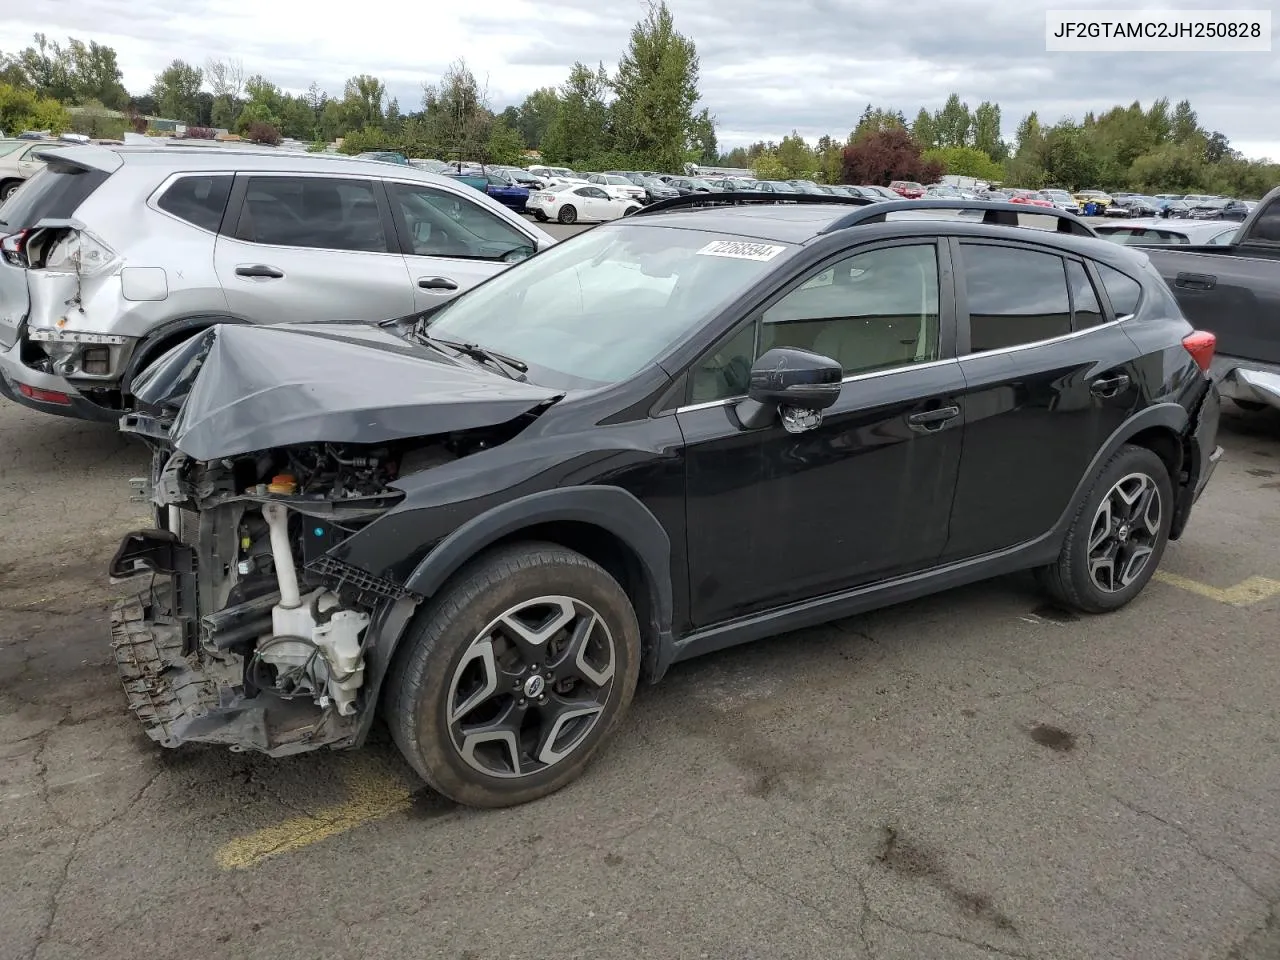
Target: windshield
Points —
{"points": [[618, 181], [600, 307]]}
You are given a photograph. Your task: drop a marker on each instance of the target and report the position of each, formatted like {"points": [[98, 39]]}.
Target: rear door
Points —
{"points": [[1048, 377], [305, 247], [450, 242]]}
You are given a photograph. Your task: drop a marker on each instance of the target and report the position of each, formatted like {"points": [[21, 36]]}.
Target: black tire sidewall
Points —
{"points": [[437, 757], [572, 215], [1130, 459]]}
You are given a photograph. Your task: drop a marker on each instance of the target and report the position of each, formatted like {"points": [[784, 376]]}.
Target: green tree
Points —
{"points": [[702, 147], [768, 166], [923, 130], [953, 123], [226, 82], [1159, 121], [986, 132], [48, 69], [369, 138], [876, 120], [94, 75], [363, 99], [796, 158], [297, 119], [457, 112], [966, 162], [24, 109], [580, 127], [1070, 160], [505, 144], [1185, 124], [95, 119], [656, 88], [1173, 167], [176, 89], [536, 114]]}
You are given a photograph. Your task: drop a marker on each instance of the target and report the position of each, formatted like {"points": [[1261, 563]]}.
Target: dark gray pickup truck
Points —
{"points": [[1233, 291]]}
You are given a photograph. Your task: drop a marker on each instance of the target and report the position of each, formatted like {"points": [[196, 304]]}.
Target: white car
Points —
{"points": [[17, 164], [619, 188], [575, 203], [562, 173]]}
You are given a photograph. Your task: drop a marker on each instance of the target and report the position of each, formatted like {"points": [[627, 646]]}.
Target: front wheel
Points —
{"points": [[568, 215], [1118, 535], [515, 675], [7, 190]]}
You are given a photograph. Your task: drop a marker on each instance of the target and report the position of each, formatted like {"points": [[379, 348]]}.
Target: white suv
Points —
{"points": [[110, 256]]}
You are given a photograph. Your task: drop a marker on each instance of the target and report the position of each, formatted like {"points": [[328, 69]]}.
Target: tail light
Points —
{"points": [[1200, 344], [13, 248]]}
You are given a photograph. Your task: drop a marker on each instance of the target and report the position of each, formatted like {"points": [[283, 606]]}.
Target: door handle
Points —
{"points": [[259, 270], [1109, 386], [933, 419], [1196, 281], [437, 283]]}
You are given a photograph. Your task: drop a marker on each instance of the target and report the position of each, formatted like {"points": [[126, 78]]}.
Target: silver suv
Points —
{"points": [[112, 255]]}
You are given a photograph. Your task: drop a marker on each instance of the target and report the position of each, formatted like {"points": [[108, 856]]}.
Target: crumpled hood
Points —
{"points": [[240, 388]]}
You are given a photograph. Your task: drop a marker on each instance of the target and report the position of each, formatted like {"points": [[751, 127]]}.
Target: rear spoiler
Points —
{"points": [[78, 156]]}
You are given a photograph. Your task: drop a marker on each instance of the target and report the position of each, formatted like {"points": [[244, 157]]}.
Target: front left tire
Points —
{"points": [[513, 677]]}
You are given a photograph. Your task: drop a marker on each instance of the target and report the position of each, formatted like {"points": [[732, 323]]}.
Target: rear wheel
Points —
{"points": [[8, 189], [540, 216], [1117, 537], [568, 215], [517, 673]]}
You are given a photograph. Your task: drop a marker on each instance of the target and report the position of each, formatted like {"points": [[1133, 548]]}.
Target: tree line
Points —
{"points": [[1159, 148], [645, 115]]}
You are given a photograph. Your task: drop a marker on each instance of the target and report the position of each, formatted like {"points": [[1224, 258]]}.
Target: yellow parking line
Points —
{"points": [[1244, 593], [372, 795]]}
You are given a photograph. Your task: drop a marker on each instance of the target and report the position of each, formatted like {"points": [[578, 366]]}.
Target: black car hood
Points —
{"points": [[240, 388]]}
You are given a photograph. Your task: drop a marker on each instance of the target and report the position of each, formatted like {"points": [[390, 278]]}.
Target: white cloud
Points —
{"points": [[811, 65]]}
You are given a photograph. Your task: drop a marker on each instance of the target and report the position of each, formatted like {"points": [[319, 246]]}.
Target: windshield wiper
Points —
{"points": [[483, 354]]}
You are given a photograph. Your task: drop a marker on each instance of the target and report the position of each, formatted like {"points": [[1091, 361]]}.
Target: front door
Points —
{"points": [[775, 517], [310, 248], [451, 243], [1048, 377]]}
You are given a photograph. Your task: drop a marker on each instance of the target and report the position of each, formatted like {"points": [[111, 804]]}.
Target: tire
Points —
{"points": [[8, 189], [445, 660], [1070, 580], [540, 216], [629, 211], [567, 215]]}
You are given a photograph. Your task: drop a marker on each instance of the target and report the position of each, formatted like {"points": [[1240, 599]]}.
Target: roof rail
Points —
{"points": [[994, 213], [737, 197]]}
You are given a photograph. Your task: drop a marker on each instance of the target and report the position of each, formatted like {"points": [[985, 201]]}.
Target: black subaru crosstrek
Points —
{"points": [[716, 420]]}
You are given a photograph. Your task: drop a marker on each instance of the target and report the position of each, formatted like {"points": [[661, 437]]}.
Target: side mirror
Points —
{"points": [[793, 383]]}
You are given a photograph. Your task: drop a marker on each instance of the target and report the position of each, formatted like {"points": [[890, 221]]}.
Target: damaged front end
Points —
{"points": [[244, 628], [244, 631]]}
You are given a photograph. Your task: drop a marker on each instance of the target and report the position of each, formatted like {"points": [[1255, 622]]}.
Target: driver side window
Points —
{"points": [[438, 223], [872, 311]]}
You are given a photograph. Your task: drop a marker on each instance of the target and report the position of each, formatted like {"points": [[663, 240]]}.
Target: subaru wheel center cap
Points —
{"points": [[534, 686]]}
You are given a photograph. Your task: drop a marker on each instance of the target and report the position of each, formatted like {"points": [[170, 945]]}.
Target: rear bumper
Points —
{"points": [[14, 375], [1250, 380]]}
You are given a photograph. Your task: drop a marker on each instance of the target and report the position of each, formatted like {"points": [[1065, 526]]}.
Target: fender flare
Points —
{"points": [[610, 508], [1170, 416], [146, 352]]}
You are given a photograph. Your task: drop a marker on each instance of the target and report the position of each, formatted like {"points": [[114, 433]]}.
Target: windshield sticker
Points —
{"points": [[741, 250]]}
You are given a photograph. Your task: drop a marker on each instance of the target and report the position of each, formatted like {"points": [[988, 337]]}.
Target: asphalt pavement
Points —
{"points": [[978, 774]]}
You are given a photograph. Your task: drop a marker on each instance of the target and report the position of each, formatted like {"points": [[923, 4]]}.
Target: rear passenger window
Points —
{"points": [[198, 200], [1123, 292], [1015, 296], [328, 214], [1085, 310]]}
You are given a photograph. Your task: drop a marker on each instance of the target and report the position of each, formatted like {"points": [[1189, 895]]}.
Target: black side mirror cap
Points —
{"points": [[789, 377]]}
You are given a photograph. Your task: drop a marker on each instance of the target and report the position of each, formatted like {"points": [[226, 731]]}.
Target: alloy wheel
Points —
{"points": [[531, 687], [1124, 532]]}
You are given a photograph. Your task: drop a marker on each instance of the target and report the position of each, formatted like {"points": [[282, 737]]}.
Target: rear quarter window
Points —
{"points": [[1123, 291], [54, 193], [199, 200]]}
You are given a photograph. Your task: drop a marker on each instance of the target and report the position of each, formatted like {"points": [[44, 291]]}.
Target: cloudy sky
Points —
{"points": [[767, 67]]}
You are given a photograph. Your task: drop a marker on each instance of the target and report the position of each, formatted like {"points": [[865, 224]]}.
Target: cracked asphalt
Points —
{"points": [[972, 775]]}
